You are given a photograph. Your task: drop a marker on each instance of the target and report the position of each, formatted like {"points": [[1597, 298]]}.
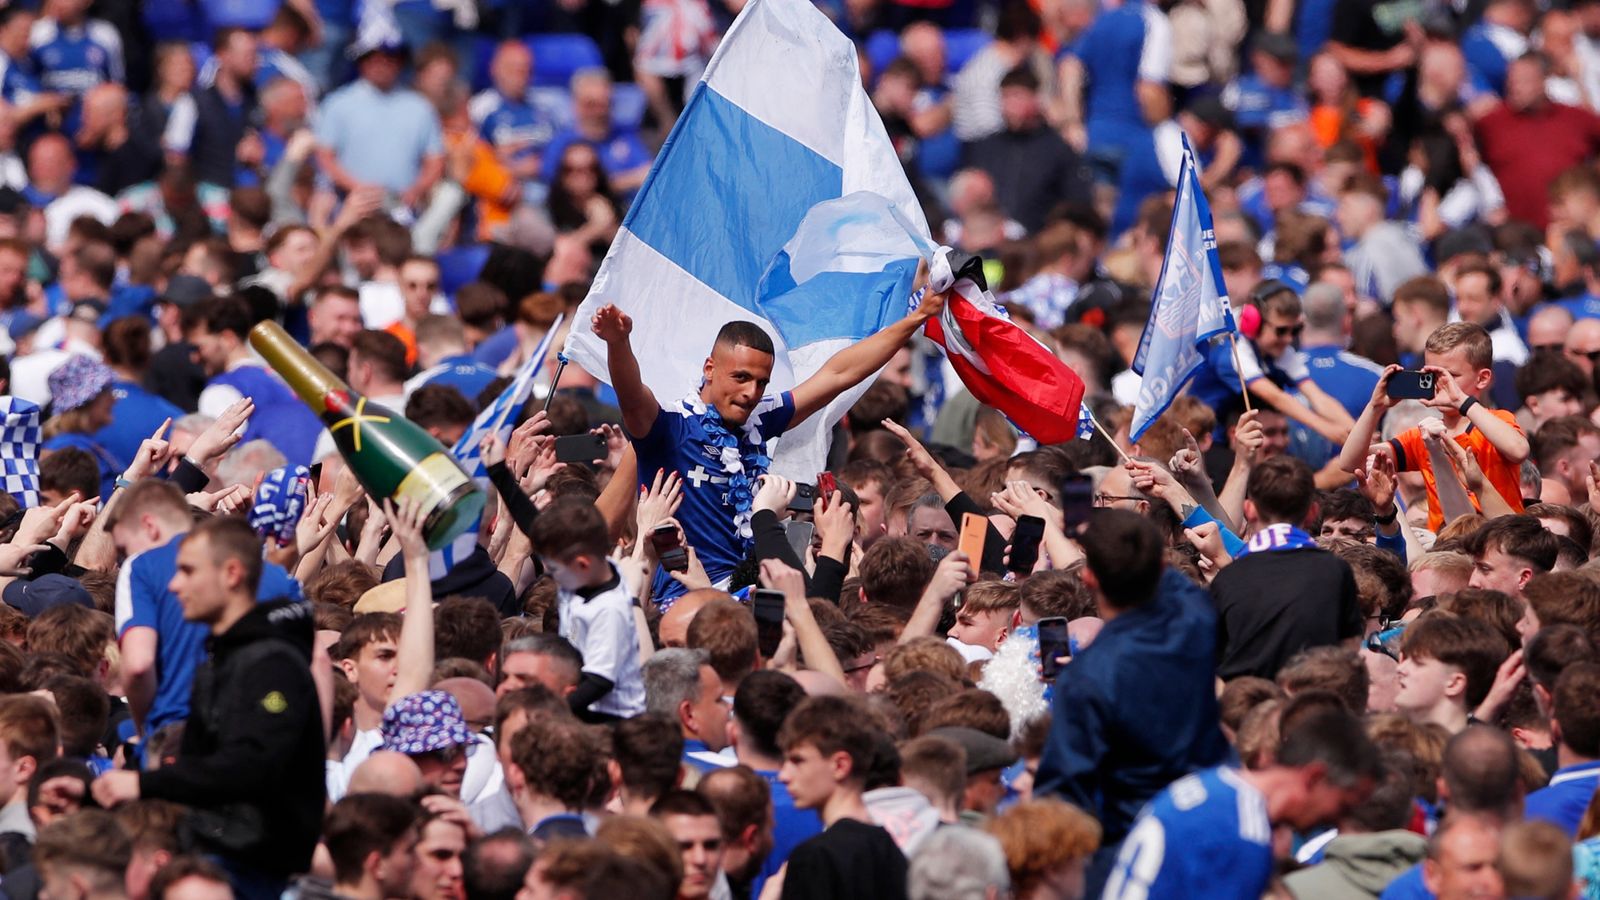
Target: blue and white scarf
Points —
{"points": [[742, 457], [1279, 537]]}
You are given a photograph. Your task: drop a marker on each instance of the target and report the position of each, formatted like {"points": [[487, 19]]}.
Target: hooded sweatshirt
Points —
{"points": [[251, 760], [1358, 866]]}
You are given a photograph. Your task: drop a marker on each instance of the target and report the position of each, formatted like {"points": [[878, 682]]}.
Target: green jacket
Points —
{"points": [[1358, 866]]}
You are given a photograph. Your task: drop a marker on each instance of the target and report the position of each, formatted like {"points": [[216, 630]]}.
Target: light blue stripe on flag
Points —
{"points": [[715, 214]]}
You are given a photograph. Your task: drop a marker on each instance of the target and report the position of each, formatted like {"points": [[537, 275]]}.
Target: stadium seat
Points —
{"points": [[460, 265], [252, 14], [173, 20], [883, 47], [557, 56], [628, 105], [961, 45]]}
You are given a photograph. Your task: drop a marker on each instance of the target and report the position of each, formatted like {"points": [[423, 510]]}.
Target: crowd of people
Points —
{"points": [[1327, 628]]}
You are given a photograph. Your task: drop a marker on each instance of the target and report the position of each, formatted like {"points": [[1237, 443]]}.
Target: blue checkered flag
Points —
{"points": [[1085, 422], [20, 436], [500, 416]]}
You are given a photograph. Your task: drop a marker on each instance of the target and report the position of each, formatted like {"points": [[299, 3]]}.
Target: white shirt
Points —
{"points": [[77, 201], [382, 305], [602, 629]]}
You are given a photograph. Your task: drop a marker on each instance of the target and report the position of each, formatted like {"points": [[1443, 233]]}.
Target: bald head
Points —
{"points": [[674, 627], [386, 772], [475, 697], [1549, 326], [1480, 772]]}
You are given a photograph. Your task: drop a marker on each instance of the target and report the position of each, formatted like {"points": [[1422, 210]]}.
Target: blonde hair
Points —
{"points": [[991, 596]]}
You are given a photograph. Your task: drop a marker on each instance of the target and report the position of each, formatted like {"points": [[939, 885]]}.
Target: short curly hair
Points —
{"points": [[1040, 836]]}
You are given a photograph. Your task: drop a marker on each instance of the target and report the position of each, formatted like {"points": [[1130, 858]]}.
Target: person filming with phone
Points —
{"points": [[1137, 708], [716, 438], [1460, 358]]}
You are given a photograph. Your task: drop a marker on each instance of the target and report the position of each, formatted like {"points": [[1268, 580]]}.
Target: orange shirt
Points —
{"points": [[1506, 476]]}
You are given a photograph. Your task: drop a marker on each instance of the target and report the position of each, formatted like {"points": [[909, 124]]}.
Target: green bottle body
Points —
{"points": [[390, 455]]}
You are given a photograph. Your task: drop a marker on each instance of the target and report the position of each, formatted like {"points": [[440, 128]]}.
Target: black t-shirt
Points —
{"points": [[1273, 604], [1373, 25], [849, 860]]}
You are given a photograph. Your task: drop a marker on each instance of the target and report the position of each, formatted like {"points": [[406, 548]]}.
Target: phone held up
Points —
{"points": [[1410, 384]]}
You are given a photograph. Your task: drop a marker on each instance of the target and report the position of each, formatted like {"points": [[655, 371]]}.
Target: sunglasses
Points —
{"points": [[1108, 499], [1289, 330]]}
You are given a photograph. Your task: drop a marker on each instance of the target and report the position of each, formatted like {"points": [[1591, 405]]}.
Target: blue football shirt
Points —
{"points": [[680, 441], [1206, 835], [144, 601]]}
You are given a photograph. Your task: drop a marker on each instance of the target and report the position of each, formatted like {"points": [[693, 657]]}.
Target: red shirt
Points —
{"points": [[1527, 150]]}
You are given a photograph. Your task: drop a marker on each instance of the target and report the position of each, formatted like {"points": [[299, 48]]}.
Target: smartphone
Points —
{"points": [[768, 607], [316, 475], [803, 495], [826, 485], [1054, 642], [1410, 384], [1077, 500], [668, 549], [580, 448], [799, 535], [1025, 544], [974, 529]]}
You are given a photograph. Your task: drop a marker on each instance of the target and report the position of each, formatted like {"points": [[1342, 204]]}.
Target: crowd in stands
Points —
{"points": [[1328, 628]]}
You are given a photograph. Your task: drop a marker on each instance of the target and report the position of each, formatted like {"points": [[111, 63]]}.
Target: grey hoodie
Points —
{"points": [[1358, 866]]}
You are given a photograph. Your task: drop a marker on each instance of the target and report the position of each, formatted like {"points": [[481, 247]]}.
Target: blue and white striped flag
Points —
{"points": [[1085, 422], [501, 415], [1190, 306], [778, 125], [20, 435], [498, 417]]}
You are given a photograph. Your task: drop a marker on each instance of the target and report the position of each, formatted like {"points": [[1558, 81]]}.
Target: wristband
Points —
{"points": [[1386, 520], [1467, 405], [123, 482]]}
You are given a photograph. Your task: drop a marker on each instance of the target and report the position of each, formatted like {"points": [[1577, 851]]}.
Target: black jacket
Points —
{"points": [[1033, 171], [251, 764], [475, 576]]}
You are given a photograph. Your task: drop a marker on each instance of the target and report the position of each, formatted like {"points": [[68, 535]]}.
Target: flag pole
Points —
{"points": [[555, 380], [1244, 392], [1107, 435]]}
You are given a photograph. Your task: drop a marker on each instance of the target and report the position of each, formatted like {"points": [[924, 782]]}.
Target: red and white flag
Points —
{"points": [[1001, 364]]}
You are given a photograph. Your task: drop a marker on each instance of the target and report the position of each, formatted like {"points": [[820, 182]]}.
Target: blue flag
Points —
{"points": [[1190, 306], [1085, 423]]}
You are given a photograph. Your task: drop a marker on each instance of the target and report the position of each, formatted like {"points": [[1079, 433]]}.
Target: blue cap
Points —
{"points": [[35, 596], [23, 323]]}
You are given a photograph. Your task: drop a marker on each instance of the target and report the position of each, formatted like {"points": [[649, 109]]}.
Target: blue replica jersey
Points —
{"points": [[685, 439], [463, 373], [17, 84], [512, 123], [1206, 835], [73, 60], [1344, 376], [1122, 47], [135, 415], [143, 600]]}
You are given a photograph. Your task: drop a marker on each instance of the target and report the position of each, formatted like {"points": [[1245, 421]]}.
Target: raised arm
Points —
{"points": [[1506, 437], [416, 629], [639, 406], [847, 368], [1353, 455]]}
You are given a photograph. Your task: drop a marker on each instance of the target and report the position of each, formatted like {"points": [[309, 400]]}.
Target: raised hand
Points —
{"points": [[76, 522], [1187, 464], [1380, 392], [220, 436], [774, 492], [152, 454], [835, 519], [921, 459], [1377, 482], [1446, 393], [779, 576], [658, 503], [616, 444], [611, 325], [1249, 437], [405, 523], [41, 523], [1018, 499], [316, 524]]}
